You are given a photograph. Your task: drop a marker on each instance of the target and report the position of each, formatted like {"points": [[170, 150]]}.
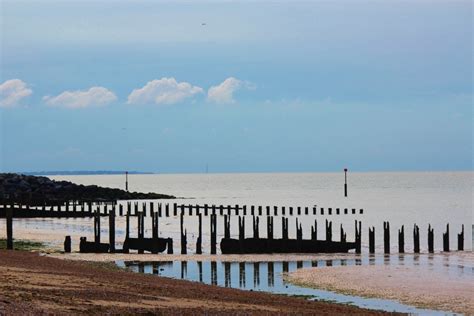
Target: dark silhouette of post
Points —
{"points": [[241, 232], [141, 231], [461, 239], [358, 236], [213, 232], [256, 221], [183, 232], [226, 226], [446, 239], [314, 231], [430, 239], [372, 239], [9, 217], [199, 239], [97, 226], [343, 234], [270, 227], [67, 244], [386, 237], [126, 181], [345, 182], [328, 231], [112, 230], [416, 239], [284, 228], [401, 240]]}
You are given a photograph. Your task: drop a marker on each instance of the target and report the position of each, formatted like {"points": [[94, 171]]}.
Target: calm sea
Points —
{"points": [[402, 198]]}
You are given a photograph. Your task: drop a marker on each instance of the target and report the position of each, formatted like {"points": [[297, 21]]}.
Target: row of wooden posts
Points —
{"points": [[76, 209], [416, 239], [270, 232]]}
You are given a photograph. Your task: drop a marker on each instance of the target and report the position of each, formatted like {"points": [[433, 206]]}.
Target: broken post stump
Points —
{"points": [[461, 239], [446, 239], [401, 240], [386, 237], [372, 239], [430, 239], [416, 239]]}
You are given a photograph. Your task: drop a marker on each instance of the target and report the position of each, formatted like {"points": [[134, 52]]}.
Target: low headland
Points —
{"points": [[42, 190]]}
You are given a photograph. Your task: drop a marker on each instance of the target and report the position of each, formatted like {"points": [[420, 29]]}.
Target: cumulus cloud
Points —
{"points": [[224, 92], [163, 91], [12, 91], [95, 96]]}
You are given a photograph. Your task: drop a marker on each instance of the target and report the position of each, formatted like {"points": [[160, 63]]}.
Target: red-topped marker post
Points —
{"points": [[345, 182]]}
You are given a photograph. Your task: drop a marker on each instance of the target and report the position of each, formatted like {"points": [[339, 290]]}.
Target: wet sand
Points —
{"points": [[34, 284], [414, 285]]}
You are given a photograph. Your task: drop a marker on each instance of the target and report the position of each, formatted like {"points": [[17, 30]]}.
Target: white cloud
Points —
{"points": [[224, 92], [95, 96], [12, 91], [163, 91]]}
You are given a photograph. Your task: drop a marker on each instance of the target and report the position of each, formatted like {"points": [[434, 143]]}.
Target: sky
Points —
{"points": [[237, 86]]}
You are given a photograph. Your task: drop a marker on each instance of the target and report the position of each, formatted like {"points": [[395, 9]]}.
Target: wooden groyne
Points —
{"points": [[242, 244]]}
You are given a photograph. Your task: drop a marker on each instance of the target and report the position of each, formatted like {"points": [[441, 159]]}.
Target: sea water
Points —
{"points": [[402, 198]]}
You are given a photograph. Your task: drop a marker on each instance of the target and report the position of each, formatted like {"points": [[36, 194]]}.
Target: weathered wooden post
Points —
{"points": [[244, 210], [314, 231], [183, 232], [299, 210], [461, 239], [206, 210], [275, 210], [328, 231], [401, 240], [252, 210], [322, 210], [386, 237], [291, 210], [283, 210], [372, 239], [167, 210], [136, 208], [159, 210], [141, 231], [213, 232], [329, 210], [97, 226], [236, 209], [154, 226], [67, 244], [345, 182], [268, 210], [270, 227], [256, 221], [343, 234], [170, 246], [9, 218], [175, 209], [284, 228], [358, 239], [315, 210], [112, 230], [144, 209], [190, 209], [242, 274], [446, 239], [120, 210], [199, 239], [299, 235], [430, 239], [226, 226], [241, 233], [259, 210], [416, 239], [127, 223], [221, 210], [229, 210], [213, 209]]}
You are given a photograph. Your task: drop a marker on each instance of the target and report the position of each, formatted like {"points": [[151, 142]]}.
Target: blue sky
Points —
{"points": [[242, 86]]}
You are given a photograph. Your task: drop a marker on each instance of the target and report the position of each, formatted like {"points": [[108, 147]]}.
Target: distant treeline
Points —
{"points": [[79, 173]]}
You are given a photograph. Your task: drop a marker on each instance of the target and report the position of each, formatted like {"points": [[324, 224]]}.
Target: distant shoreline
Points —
{"points": [[80, 173]]}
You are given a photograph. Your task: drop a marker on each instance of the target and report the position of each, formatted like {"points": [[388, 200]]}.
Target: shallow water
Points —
{"points": [[268, 276], [403, 198]]}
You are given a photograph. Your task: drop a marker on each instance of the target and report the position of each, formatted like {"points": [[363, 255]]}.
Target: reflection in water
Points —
{"points": [[242, 274], [227, 274], [214, 273], [271, 274], [227, 277], [200, 270], [256, 274]]}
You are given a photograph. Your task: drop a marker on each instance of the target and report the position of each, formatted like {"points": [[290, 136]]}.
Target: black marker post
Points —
{"points": [[345, 182]]}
